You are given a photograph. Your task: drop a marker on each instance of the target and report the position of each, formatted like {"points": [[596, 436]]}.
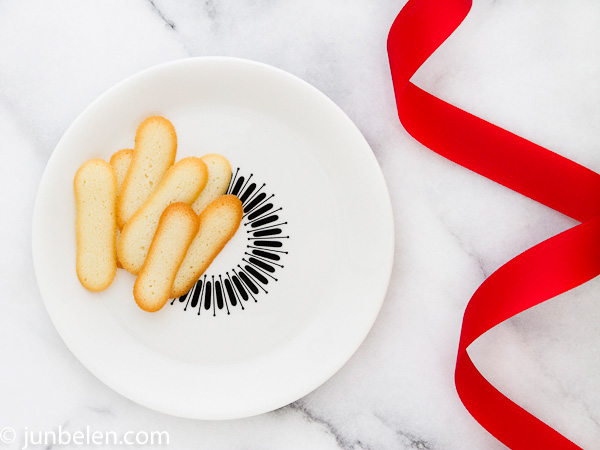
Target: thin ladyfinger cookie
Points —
{"points": [[218, 223], [153, 154], [120, 162], [95, 198], [183, 182], [177, 227], [219, 176]]}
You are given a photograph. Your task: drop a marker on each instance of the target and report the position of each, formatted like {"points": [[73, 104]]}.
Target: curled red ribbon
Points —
{"points": [[536, 275]]}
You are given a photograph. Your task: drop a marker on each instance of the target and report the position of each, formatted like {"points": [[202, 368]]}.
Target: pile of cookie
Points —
{"points": [[162, 221]]}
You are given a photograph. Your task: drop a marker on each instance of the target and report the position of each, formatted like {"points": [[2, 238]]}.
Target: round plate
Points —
{"points": [[293, 294]]}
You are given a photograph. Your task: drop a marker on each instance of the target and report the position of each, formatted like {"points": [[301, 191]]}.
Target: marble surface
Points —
{"points": [[531, 66]]}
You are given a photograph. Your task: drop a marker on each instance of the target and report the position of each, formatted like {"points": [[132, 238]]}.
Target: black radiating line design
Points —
{"points": [[264, 225], [230, 292]]}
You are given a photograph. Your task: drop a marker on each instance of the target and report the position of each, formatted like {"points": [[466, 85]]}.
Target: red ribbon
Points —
{"points": [[536, 275]]}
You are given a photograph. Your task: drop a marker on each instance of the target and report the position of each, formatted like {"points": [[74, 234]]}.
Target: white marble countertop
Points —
{"points": [[530, 66]]}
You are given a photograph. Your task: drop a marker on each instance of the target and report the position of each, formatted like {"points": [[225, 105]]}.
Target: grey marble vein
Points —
{"points": [[312, 417], [169, 23]]}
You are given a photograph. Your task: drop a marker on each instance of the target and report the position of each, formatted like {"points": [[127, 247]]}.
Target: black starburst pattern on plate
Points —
{"points": [[250, 277]]}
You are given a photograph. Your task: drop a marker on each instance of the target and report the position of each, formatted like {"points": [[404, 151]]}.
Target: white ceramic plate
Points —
{"points": [[314, 272]]}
